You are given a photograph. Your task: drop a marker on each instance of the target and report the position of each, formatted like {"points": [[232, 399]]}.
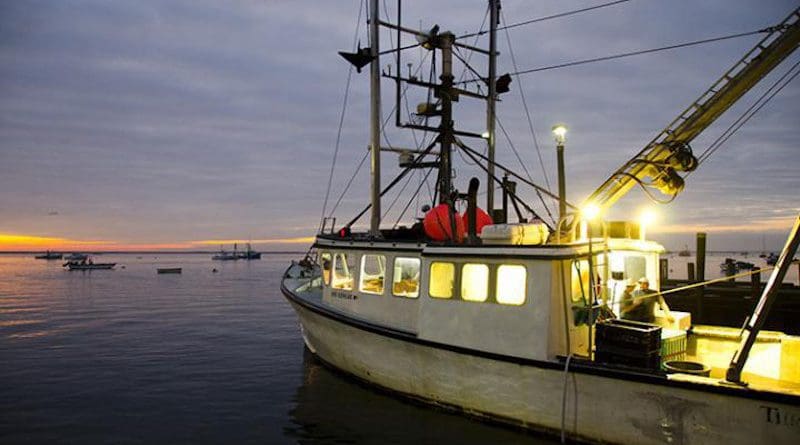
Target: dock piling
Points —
{"points": [[701, 256], [755, 282], [663, 270]]}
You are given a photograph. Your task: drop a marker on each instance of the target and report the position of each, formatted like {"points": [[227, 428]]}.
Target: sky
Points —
{"points": [[187, 124]]}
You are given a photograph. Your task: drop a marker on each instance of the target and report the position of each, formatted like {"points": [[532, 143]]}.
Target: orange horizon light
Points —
{"points": [[17, 242]]}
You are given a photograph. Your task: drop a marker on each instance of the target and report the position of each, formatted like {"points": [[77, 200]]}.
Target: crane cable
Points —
{"points": [[750, 112]]}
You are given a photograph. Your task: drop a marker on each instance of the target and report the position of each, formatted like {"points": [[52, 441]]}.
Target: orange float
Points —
{"points": [[438, 227]]}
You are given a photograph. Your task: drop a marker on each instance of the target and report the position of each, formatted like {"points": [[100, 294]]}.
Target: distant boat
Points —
{"points": [[685, 251], [731, 266], [76, 257], [163, 270], [49, 256], [772, 259], [88, 265], [250, 254], [226, 256]]}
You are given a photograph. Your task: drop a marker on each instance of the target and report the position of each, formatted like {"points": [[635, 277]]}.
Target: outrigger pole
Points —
{"points": [[756, 321], [375, 120]]}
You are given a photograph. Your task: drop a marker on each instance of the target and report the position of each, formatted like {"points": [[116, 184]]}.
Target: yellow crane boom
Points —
{"points": [[659, 163]]}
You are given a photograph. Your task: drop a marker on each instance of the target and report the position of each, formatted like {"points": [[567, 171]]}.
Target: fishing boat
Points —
{"points": [[685, 252], [223, 255], [515, 321], [250, 254], [49, 256]]}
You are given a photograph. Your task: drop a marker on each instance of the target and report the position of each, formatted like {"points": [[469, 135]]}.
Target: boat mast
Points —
{"points": [[494, 10], [375, 120], [446, 41]]}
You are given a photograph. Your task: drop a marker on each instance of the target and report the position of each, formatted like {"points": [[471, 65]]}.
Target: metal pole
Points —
{"points": [[562, 185], [494, 10], [375, 120]]}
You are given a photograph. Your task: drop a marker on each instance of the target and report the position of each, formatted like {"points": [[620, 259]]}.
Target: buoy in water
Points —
{"points": [[438, 227]]}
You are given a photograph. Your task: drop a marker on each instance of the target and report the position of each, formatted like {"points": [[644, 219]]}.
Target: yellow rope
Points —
{"points": [[717, 280]]}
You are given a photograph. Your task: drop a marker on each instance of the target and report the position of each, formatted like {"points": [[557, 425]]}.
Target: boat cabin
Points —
{"points": [[531, 301]]}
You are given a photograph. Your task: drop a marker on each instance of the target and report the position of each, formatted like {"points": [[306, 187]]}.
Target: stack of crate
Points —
{"points": [[673, 345], [628, 343]]}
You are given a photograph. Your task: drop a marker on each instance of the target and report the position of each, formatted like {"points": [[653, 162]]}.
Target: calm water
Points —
{"points": [[128, 356]]}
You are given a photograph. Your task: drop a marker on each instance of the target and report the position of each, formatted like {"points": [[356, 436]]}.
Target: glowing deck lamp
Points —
{"points": [[648, 217], [560, 133], [588, 213]]}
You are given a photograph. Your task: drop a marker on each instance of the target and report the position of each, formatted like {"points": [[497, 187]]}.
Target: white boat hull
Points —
{"points": [[516, 391]]}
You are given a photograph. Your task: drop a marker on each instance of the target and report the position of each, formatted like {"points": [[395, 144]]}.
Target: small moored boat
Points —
{"points": [[88, 264], [49, 256], [164, 270]]}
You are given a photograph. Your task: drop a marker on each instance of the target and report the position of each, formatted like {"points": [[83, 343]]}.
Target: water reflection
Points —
{"points": [[332, 408]]}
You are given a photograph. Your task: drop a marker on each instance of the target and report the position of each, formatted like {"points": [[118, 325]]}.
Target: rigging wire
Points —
{"points": [[634, 53], [550, 17], [341, 122], [399, 194], [349, 183], [519, 158], [475, 42], [525, 105], [415, 195], [640, 52], [514, 198], [749, 113]]}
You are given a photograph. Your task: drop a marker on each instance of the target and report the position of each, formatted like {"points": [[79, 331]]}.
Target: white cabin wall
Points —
{"points": [[520, 331], [385, 309]]}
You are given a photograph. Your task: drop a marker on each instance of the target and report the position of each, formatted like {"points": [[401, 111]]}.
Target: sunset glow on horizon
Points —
{"points": [[19, 242]]}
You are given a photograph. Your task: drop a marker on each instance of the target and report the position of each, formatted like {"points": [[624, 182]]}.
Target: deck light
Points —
{"points": [[485, 135], [590, 211], [560, 133], [646, 218]]}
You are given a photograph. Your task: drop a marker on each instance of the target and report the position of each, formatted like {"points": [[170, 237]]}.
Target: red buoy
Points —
{"points": [[482, 219], [437, 224]]}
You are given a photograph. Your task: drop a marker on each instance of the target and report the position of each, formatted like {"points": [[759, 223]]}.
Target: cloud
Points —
{"points": [[149, 122]]}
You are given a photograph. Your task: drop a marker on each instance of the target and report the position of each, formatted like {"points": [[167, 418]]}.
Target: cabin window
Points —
{"points": [[474, 282], [342, 271], [373, 270], [326, 261], [442, 279], [405, 280], [511, 279]]}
